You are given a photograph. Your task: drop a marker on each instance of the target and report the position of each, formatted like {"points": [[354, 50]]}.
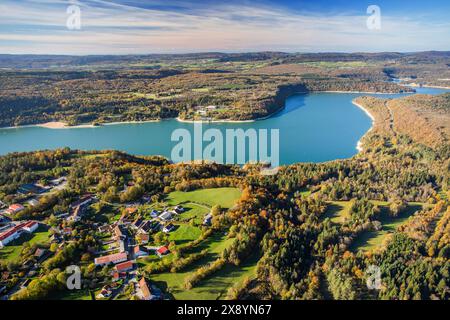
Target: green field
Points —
{"points": [[11, 253], [338, 211], [211, 288], [372, 240], [225, 197]]}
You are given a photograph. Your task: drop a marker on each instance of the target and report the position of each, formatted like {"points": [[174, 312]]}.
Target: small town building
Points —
{"points": [[111, 259], [124, 266], [168, 228], [139, 251], [162, 251]]}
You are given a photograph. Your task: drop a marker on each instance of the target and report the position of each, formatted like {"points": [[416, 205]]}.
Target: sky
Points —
{"points": [[181, 26]]}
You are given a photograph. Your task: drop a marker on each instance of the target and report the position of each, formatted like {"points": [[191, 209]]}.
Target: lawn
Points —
{"points": [[193, 211], [225, 197], [213, 287], [371, 240], [185, 233], [11, 252], [338, 211]]}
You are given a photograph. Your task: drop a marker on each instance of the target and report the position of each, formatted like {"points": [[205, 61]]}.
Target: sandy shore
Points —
{"points": [[62, 125], [53, 125], [359, 145]]}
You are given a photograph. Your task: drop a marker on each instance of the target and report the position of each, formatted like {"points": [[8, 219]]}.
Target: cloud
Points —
{"points": [[153, 27]]}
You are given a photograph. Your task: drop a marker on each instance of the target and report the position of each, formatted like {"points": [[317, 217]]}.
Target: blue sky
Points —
{"points": [[165, 26]]}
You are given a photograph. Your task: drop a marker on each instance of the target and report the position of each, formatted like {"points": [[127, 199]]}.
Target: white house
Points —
{"points": [[166, 216]]}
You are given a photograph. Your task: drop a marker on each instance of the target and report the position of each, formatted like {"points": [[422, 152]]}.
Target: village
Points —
{"points": [[125, 241]]}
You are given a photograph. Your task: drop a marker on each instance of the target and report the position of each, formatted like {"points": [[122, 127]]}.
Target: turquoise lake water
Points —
{"points": [[314, 127]]}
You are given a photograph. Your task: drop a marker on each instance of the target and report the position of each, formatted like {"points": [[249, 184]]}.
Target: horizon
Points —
{"points": [[223, 52], [128, 27]]}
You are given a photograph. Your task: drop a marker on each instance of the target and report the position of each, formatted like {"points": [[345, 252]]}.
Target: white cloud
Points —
{"points": [[115, 28]]}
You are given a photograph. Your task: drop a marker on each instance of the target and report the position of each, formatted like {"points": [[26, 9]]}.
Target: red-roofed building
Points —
{"points": [[16, 231], [14, 208], [139, 252], [30, 226], [162, 251], [124, 266], [112, 258]]}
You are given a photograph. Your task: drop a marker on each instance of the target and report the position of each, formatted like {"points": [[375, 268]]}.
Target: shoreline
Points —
{"points": [[56, 125], [359, 145]]}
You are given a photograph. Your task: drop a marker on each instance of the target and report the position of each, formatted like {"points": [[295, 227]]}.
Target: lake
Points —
{"points": [[313, 127]]}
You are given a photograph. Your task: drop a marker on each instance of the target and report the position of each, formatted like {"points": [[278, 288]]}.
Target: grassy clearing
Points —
{"points": [[193, 211], [372, 240], [185, 233], [11, 253], [338, 211], [225, 197], [173, 282], [211, 288]]}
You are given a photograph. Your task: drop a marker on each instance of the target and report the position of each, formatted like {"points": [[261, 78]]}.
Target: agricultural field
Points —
{"points": [[225, 197], [213, 287]]}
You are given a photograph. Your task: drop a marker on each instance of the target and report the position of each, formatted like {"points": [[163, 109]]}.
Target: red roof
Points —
{"points": [[15, 208], [124, 266], [163, 250], [29, 224], [11, 231], [114, 258], [144, 288]]}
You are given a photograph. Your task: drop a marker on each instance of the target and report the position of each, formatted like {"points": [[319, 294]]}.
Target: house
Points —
{"points": [[179, 209], [162, 251], [124, 266], [119, 234], [168, 228], [131, 210], [58, 181], [83, 201], [16, 231], [112, 258], [139, 252], [166, 216], [14, 208], [138, 222], [39, 253], [10, 235], [33, 202], [116, 276], [30, 226], [31, 188], [207, 220], [154, 214], [147, 292]]}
